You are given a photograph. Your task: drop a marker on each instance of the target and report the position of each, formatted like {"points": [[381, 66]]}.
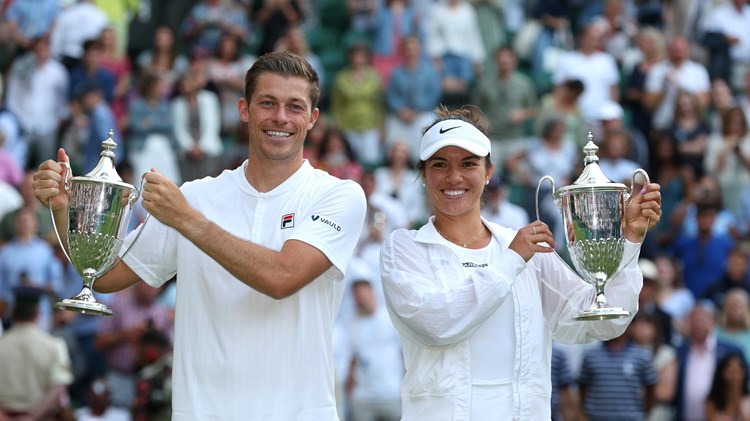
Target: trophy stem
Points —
{"points": [[85, 302], [599, 309]]}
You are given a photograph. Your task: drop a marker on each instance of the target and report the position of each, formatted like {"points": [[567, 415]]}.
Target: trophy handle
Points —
{"points": [[538, 186], [68, 185], [629, 195], [132, 201]]}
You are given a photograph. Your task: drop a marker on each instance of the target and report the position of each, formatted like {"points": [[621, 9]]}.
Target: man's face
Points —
{"points": [[278, 115]]}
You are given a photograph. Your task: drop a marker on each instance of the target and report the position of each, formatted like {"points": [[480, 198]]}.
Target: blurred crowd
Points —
{"points": [[658, 85]]}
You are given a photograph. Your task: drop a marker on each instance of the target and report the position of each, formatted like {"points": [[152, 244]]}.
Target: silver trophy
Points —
{"points": [[593, 211], [98, 215]]}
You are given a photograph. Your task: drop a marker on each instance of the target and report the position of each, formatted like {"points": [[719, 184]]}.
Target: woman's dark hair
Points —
{"points": [[330, 133], [718, 393], [468, 113]]}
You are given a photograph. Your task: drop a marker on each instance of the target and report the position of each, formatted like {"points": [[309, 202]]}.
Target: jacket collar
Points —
{"points": [[428, 233]]}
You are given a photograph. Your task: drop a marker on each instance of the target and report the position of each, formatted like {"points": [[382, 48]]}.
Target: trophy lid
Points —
{"points": [[105, 169], [592, 177]]}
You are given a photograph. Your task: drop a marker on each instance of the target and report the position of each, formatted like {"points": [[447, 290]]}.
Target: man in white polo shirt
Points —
{"points": [[259, 253]]}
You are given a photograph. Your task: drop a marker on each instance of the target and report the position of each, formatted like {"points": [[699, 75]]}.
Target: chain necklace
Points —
{"points": [[459, 243]]}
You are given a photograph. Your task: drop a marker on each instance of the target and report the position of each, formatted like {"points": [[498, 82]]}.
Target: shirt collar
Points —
{"points": [[299, 177]]}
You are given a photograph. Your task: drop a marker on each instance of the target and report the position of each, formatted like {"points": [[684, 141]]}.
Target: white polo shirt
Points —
{"points": [[240, 354], [691, 77]]}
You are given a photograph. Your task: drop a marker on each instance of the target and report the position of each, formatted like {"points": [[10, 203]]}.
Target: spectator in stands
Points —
{"points": [[29, 261], [564, 400], [690, 129], [735, 275], [698, 358], [549, 154], [734, 319], [44, 221], [98, 405], [648, 299], [99, 120], [454, 43], [411, 95], [596, 69], [508, 99], [35, 367], [118, 63], [11, 172], [209, 20], [672, 296], [390, 23], [197, 128], [15, 142], [30, 19], [376, 368], [150, 142], [273, 16], [613, 155], [617, 380], [338, 157], [164, 59], [226, 72], [703, 255], [651, 45], [37, 94], [668, 77], [398, 179], [731, 20], [90, 70], [499, 210], [135, 312], [69, 33], [645, 331], [729, 397], [356, 105], [727, 156], [562, 103]]}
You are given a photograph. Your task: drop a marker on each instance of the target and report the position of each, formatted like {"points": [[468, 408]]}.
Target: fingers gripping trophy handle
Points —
{"points": [[133, 199], [68, 187], [632, 186]]}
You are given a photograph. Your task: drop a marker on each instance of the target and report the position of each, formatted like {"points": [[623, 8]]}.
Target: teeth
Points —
{"points": [[278, 134], [455, 192]]}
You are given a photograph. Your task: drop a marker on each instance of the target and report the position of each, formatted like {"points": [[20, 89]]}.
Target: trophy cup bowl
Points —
{"points": [[593, 212], [99, 208]]}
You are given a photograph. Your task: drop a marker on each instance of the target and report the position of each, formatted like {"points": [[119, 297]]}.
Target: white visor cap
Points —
{"points": [[454, 132]]}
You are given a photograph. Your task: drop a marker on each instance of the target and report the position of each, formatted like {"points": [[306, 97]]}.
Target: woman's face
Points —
{"points": [[399, 155], [455, 179], [734, 373]]}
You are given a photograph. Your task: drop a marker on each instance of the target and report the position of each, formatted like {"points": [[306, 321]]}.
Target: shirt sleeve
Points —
{"points": [[61, 372], [334, 223], [153, 255], [441, 310]]}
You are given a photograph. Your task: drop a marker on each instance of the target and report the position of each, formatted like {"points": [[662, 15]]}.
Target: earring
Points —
{"points": [[487, 182]]}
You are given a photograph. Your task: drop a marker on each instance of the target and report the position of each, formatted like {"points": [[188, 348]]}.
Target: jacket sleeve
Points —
{"points": [[565, 295], [444, 309]]}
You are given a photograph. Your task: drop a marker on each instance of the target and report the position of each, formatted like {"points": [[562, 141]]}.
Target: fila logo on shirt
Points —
{"points": [[327, 222], [287, 221]]}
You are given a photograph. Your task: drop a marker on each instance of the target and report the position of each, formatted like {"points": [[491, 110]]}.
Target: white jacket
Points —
{"points": [[436, 310], [210, 123]]}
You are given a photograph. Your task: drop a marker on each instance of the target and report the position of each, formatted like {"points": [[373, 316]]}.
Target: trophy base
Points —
{"points": [[85, 307], [605, 313]]}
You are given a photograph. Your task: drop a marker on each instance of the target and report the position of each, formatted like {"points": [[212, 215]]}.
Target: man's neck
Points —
{"points": [[266, 176]]}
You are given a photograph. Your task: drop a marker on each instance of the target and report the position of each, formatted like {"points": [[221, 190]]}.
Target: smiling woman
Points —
{"points": [[477, 304]]}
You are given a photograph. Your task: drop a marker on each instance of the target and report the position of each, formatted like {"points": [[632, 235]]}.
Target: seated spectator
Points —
{"points": [[613, 155], [98, 407], [164, 59], [735, 275], [691, 130], [150, 142], [499, 210], [562, 103], [734, 319], [411, 95], [91, 71], [729, 397], [119, 65], [398, 179], [338, 157], [40, 359], [197, 128], [153, 400], [209, 20], [390, 23], [69, 34], [356, 105]]}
